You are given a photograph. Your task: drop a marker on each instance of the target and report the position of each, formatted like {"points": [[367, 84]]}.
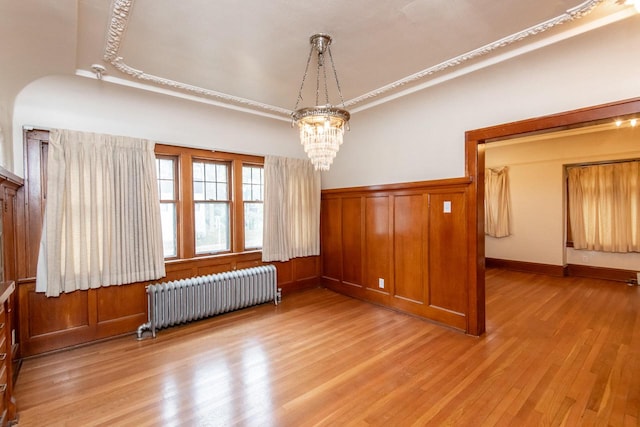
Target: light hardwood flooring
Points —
{"points": [[558, 351]]}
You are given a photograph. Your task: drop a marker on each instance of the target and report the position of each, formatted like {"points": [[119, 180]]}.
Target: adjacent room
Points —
{"points": [[418, 212]]}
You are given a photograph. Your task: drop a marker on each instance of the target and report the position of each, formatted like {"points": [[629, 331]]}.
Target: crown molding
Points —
{"points": [[570, 15], [121, 13], [117, 27]]}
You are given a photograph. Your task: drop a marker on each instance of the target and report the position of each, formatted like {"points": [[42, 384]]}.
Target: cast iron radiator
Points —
{"points": [[185, 300]]}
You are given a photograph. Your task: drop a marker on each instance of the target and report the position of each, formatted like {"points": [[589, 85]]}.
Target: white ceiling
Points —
{"points": [[252, 54]]}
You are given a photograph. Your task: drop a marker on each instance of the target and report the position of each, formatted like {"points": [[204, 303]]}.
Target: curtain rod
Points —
{"points": [[603, 162], [31, 127]]}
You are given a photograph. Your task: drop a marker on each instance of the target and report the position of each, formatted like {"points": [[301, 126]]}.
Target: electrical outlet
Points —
{"points": [[381, 283]]}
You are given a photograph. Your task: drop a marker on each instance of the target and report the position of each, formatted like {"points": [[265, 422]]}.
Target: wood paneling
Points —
{"points": [[330, 237], [352, 240], [66, 312], [447, 247], [305, 268], [378, 241], [404, 245], [409, 248], [131, 299]]}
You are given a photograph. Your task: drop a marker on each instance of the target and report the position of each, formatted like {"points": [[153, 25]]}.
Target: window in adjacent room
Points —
{"points": [[212, 200], [166, 172], [604, 206], [253, 199]]}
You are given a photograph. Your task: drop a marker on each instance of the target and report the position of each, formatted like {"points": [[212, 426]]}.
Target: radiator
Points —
{"points": [[186, 300]]}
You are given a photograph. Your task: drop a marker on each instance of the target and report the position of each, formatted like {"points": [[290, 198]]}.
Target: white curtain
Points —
{"points": [[604, 207], [102, 217], [291, 209], [496, 202]]}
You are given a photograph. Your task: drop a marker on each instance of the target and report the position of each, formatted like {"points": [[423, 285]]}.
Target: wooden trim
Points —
{"points": [[572, 270], [5, 175], [474, 167], [605, 273], [528, 267], [176, 150], [559, 121], [417, 185]]}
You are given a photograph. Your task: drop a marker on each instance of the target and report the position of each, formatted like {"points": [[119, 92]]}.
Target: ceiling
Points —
{"points": [[251, 55]]}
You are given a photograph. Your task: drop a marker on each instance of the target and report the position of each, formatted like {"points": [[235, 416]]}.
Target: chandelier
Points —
{"points": [[322, 126]]}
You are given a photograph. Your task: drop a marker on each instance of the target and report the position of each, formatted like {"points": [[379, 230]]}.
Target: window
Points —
{"points": [[604, 201], [211, 201], [166, 172], [253, 199], [211, 196]]}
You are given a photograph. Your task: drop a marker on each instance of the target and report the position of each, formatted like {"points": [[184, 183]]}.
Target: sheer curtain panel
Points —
{"points": [[496, 202], [102, 217], [604, 207], [291, 209]]}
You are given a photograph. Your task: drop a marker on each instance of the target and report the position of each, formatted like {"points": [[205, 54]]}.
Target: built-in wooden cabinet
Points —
{"points": [[7, 403], [9, 262]]}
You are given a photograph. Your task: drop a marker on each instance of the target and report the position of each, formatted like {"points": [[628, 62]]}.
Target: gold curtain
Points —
{"points": [[604, 207], [496, 202]]}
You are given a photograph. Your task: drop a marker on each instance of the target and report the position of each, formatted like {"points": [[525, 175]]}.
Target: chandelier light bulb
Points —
{"points": [[633, 122], [618, 123]]}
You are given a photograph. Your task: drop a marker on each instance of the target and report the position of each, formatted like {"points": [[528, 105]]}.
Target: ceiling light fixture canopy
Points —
{"points": [[322, 126]]}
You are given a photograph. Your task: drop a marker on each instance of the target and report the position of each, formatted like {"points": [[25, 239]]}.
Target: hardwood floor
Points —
{"points": [[558, 351]]}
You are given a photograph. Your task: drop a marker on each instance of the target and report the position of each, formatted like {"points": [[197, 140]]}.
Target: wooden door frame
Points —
{"points": [[474, 168]]}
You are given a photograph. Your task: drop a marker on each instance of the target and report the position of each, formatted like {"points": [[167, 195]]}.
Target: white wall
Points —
{"points": [[421, 136], [79, 103], [536, 175], [418, 137]]}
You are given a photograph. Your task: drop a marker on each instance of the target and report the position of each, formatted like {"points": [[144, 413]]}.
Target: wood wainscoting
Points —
{"points": [[79, 317], [403, 246]]}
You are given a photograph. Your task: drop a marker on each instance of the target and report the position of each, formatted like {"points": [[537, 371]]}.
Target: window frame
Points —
{"points": [[244, 202], [186, 205], [175, 201], [228, 201]]}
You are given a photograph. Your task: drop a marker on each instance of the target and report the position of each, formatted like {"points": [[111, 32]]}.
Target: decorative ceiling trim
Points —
{"points": [[570, 15], [121, 13], [115, 34]]}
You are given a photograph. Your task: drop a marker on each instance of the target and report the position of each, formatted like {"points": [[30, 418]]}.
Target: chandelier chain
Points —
{"points": [[304, 77], [335, 74], [318, 77], [326, 86]]}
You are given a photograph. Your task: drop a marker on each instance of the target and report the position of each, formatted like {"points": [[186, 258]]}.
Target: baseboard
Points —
{"points": [[528, 267], [574, 270], [601, 273]]}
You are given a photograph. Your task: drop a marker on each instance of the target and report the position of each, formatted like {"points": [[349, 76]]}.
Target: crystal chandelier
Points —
{"points": [[322, 126]]}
